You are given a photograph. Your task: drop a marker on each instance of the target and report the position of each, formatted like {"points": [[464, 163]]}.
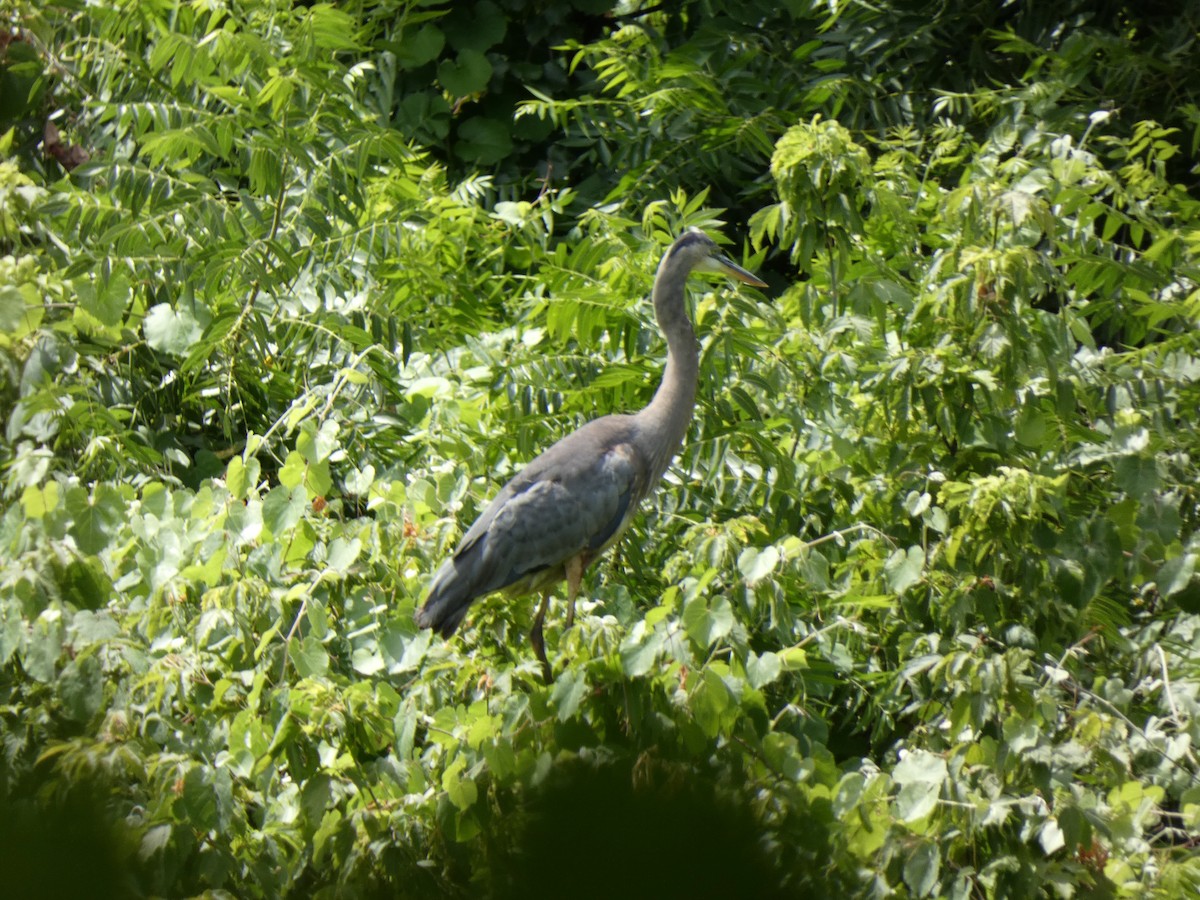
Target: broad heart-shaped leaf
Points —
{"points": [[95, 519], [282, 508], [1137, 475], [1020, 734], [88, 627], [755, 564], [475, 26], [782, 752], [920, 775], [459, 788], [198, 800], [293, 470], [916, 801], [903, 568], [920, 767], [415, 48], [85, 584], [483, 140], [704, 624], [42, 649], [343, 553], [762, 670], [1175, 574], [1051, 837], [171, 330], [568, 692], [921, 869], [12, 307], [315, 445], [710, 701], [466, 75], [318, 479], [104, 302], [367, 660], [81, 688], [640, 650], [309, 657]]}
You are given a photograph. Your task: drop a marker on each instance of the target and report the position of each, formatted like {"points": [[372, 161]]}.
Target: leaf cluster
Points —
{"points": [[915, 612]]}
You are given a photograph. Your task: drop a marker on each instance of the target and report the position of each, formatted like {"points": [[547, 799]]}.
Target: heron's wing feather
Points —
{"points": [[576, 499], [577, 496]]}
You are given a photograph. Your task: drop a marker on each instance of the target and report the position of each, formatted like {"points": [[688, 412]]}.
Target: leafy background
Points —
{"points": [[289, 290]]}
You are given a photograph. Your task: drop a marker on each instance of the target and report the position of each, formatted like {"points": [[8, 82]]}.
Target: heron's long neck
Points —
{"points": [[666, 419]]}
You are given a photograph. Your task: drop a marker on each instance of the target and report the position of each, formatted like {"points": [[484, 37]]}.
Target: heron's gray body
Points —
{"points": [[572, 502]]}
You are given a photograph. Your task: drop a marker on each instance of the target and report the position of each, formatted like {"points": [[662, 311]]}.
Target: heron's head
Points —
{"points": [[699, 253]]}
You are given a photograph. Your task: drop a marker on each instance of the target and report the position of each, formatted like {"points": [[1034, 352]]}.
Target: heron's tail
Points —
{"points": [[449, 598]]}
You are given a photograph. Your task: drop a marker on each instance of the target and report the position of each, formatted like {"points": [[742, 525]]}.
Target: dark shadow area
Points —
{"points": [[614, 830], [66, 844]]}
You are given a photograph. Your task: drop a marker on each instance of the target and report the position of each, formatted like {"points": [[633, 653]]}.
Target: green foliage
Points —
{"points": [[917, 608]]}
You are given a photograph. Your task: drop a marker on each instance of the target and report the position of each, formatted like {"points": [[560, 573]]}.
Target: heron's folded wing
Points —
{"points": [[550, 513]]}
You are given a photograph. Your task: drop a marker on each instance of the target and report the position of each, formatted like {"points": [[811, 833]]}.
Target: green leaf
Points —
{"points": [[476, 26], [235, 478], [84, 582], [171, 330], [1176, 574], [1051, 837], [917, 502], [783, 754], [467, 74], [199, 800], [904, 568], [569, 690], [793, 659], [156, 839], [459, 787], [343, 554], [483, 141], [762, 670], [14, 308], [38, 501], [755, 565], [920, 775], [105, 301], [638, 653], [291, 474], [921, 868], [81, 687], [1032, 427], [89, 627], [1136, 475], [367, 660], [309, 657], [282, 509], [920, 767], [1020, 734], [43, 649], [316, 445], [710, 702], [95, 519], [706, 624], [420, 46], [325, 836]]}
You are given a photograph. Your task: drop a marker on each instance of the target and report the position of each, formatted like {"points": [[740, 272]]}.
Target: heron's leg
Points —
{"points": [[574, 569], [537, 640]]}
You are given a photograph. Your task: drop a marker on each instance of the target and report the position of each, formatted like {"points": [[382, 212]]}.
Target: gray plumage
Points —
{"points": [[571, 503]]}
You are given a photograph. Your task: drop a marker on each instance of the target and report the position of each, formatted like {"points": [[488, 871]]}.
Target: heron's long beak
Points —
{"points": [[732, 269]]}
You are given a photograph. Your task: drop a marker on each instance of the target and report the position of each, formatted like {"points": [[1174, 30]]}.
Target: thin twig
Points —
{"points": [[1162, 659]]}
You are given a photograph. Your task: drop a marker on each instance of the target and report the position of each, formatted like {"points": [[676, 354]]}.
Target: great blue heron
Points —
{"points": [[564, 509]]}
